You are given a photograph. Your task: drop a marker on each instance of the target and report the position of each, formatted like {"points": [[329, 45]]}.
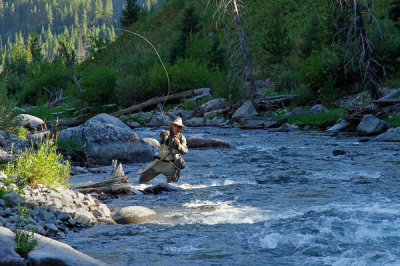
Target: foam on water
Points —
{"points": [[223, 212]]}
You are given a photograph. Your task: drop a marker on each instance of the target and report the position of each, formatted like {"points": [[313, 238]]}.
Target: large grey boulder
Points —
{"points": [[135, 215], [105, 142], [108, 119], [388, 136], [52, 252], [246, 110], [200, 142], [161, 119], [30, 121], [217, 121], [318, 108], [212, 105], [8, 256], [195, 122], [371, 125], [254, 123]]}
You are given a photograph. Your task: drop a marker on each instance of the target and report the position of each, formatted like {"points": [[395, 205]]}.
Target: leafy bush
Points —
{"points": [[285, 79], [7, 114], [43, 166], [99, 85], [186, 74], [323, 74], [393, 120]]}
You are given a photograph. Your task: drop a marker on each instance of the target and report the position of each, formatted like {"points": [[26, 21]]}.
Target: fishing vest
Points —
{"points": [[168, 148]]}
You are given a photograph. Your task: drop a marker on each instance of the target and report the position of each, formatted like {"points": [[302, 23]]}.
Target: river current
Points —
{"points": [[276, 199]]}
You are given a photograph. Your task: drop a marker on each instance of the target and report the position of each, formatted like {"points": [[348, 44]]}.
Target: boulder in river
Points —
{"points": [[135, 215], [246, 110], [162, 187], [388, 136], [200, 142], [108, 119], [370, 125], [105, 142], [254, 123], [217, 121], [216, 104], [195, 122]]}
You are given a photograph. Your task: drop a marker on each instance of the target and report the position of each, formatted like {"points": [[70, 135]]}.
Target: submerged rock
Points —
{"points": [[254, 123], [135, 215], [387, 137], [162, 187], [200, 142]]}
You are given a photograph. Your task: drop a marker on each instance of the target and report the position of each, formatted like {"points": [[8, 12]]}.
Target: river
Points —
{"points": [[277, 199]]}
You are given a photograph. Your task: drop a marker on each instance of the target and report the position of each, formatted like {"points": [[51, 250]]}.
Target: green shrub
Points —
{"points": [[186, 74], [43, 166], [99, 85], [285, 79], [26, 242], [323, 74], [7, 114], [393, 120], [316, 119]]}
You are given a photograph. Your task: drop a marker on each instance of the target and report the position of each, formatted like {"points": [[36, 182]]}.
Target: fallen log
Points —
{"points": [[273, 102], [114, 183], [68, 122], [154, 101]]}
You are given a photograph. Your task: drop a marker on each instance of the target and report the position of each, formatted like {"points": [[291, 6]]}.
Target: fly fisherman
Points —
{"points": [[169, 159]]}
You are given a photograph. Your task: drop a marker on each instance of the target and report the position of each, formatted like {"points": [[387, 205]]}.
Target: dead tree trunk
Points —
{"points": [[247, 67], [370, 76], [358, 47]]}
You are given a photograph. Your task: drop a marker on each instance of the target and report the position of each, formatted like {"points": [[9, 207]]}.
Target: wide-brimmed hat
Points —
{"points": [[177, 122]]}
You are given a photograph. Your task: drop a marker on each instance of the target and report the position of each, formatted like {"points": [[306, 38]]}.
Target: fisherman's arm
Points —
{"points": [[182, 146]]}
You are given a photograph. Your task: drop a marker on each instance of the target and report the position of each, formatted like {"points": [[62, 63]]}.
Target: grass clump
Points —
{"points": [[393, 120], [43, 166], [26, 242], [317, 119]]}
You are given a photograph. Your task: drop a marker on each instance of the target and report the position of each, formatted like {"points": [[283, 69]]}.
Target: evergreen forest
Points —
{"points": [[304, 47]]}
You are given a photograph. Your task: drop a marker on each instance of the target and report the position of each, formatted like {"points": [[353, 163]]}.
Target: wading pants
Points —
{"points": [[164, 167]]}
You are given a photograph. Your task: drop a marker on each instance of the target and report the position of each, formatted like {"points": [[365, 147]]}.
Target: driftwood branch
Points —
{"points": [[114, 183], [155, 101]]}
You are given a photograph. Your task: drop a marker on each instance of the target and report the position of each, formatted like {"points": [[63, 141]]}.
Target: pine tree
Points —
{"points": [[34, 46], [130, 13], [189, 25]]}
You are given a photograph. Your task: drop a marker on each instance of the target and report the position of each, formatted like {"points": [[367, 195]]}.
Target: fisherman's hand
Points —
{"points": [[166, 133], [177, 141]]}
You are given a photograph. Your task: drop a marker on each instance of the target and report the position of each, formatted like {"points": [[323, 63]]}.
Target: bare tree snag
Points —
{"points": [[247, 67]]}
